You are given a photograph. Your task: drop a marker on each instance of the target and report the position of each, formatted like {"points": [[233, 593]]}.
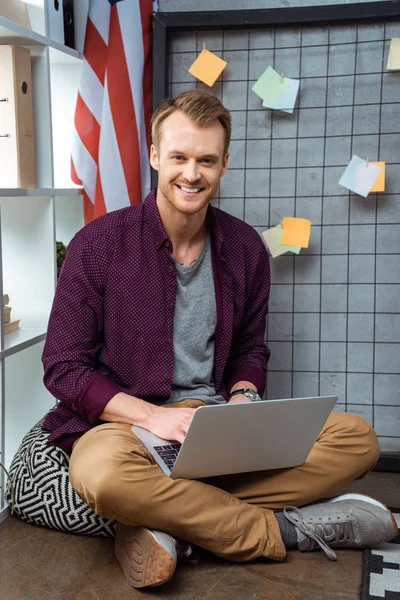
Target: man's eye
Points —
{"points": [[208, 161], [177, 157]]}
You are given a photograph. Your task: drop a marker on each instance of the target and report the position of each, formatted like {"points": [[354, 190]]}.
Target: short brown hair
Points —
{"points": [[201, 107]]}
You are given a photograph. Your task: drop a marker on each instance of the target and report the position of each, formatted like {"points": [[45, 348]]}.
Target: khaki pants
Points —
{"points": [[230, 516]]}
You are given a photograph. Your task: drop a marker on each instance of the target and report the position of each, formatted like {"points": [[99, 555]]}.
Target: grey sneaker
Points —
{"points": [[148, 557], [347, 521]]}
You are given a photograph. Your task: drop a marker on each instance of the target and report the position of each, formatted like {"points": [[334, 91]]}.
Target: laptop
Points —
{"points": [[236, 438]]}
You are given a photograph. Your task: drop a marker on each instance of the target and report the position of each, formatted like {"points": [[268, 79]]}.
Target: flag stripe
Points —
{"points": [[99, 15], [110, 148], [91, 91], [114, 185], [124, 121], [88, 208], [132, 35], [84, 165], [87, 127], [74, 174], [95, 51], [99, 206]]}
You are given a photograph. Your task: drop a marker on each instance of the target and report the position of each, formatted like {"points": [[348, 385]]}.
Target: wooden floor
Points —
{"points": [[38, 564]]}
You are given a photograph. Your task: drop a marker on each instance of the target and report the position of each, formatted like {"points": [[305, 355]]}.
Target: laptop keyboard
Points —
{"points": [[169, 453]]}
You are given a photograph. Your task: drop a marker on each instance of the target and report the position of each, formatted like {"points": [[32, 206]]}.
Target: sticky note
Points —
{"points": [[393, 63], [358, 177], [273, 239], [379, 185], [270, 86], [296, 232], [207, 67], [287, 101]]}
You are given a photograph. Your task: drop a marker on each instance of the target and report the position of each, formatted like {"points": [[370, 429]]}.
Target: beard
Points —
{"points": [[171, 194]]}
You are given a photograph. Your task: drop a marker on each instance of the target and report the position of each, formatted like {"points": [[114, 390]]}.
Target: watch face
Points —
{"points": [[251, 394]]}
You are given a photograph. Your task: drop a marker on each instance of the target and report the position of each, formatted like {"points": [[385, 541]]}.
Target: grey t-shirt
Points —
{"points": [[195, 321]]}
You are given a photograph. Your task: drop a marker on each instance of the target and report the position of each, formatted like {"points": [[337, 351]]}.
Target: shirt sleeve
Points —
{"points": [[75, 331], [249, 354]]}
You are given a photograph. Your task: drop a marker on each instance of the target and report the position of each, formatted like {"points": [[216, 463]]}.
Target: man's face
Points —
{"points": [[190, 162]]}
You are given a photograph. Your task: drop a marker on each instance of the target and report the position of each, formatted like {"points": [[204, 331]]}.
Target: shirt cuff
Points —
{"points": [[95, 396], [252, 374]]}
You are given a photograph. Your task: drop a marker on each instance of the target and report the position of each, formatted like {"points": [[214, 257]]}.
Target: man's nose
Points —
{"points": [[191, 171]]}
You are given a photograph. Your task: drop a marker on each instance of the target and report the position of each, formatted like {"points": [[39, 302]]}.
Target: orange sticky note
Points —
{"points": [[379, 185], [207, 67], [296, 232]]}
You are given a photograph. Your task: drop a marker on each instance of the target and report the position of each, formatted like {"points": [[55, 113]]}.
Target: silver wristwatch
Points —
{"points": [[248, 392]]}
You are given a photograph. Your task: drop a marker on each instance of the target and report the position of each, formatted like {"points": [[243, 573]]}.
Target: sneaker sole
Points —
{"points": [[143, 560], [371, 501]]}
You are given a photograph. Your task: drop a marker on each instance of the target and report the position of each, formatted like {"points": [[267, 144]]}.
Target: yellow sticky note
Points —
{"points": [[393, 63], [296, 232], [272, 237], [207, 67], [379, 185]]}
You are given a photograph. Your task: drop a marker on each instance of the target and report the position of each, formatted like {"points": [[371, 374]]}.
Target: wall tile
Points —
{"points": [[335, 239], [306, 298], [360, 357], [369, 57], [279, 385], [334, 298], [360, 327], [341, 59], [359, 388], [281, 294], [334, 269], [306, 327], [333, 356], [361, 298], [333, 384], [333, 327], [305, 356], [281, 356]]}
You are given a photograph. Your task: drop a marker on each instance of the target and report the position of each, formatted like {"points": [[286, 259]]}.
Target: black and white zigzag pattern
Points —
{"points": [[43, 493], [381, 570]]}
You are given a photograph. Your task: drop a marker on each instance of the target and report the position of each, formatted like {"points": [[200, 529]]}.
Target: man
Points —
{"points": [[162, 306]]}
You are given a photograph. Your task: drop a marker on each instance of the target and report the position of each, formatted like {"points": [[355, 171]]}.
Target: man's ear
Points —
{"points": [[225, 164], [154, 157]]}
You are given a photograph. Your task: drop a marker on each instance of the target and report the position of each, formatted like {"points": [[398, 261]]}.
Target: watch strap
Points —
{"points": [[236, 392]]}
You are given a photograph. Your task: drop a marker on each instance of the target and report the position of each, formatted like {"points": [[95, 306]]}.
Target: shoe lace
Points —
{"points": [[322, 531]]}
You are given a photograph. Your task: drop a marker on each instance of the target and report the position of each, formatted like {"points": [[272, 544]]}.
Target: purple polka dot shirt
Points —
{"points": [[112, 319]]}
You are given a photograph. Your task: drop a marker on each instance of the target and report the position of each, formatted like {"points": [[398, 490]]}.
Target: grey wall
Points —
{"points": [[334, 323], [193, 5]]}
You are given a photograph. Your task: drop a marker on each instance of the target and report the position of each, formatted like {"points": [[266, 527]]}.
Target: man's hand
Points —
{"points": [[170, 423], [239, 398]]}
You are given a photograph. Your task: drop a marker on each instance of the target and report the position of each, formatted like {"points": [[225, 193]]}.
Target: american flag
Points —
{"points": [[110, 156]]}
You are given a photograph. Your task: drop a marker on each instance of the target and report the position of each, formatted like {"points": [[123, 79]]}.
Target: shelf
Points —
{"points": [[12, 33], [23, 338], [42, 192]]}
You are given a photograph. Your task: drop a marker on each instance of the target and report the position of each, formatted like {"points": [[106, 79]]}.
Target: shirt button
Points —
{"points": [[167, 378], [170, 340], [171, 269]]}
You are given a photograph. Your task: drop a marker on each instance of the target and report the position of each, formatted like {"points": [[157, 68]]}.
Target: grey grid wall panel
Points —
{"points": [[334, 322]]}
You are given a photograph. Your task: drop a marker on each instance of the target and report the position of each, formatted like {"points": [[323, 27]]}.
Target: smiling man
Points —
{"points": [[162, 306]]}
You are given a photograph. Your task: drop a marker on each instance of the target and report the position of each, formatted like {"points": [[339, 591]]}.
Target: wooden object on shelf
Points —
{"points": [[16, 11], [6, 299], [11, 326], [6, 314], [17, 151]]}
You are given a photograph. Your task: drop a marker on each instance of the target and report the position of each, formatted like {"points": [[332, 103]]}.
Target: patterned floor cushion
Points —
{"points": [[43, 493]]}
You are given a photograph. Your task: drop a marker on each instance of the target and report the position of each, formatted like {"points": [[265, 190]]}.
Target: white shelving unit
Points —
{"points": [[32, 220]]}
